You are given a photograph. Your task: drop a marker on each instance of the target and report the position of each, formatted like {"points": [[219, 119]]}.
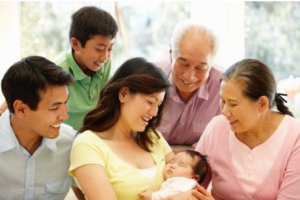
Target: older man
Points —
{"points": [[194, 95]]}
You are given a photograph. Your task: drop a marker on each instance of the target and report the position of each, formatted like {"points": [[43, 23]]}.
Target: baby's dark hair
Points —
{"points": [[201, 167]]}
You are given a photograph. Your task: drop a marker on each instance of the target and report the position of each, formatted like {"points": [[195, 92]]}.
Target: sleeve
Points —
{"points": [[85, 151], [164, 144], [174, 186], [203, 148], [289, 188]]}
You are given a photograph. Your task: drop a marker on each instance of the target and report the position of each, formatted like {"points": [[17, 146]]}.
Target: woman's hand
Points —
{"points": [[202, 193]]}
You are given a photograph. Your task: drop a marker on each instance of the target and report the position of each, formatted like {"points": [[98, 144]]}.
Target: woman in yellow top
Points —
{"points": [[119, 153]]}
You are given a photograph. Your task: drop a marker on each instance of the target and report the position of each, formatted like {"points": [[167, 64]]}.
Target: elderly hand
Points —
{"points": [[201, 193]]}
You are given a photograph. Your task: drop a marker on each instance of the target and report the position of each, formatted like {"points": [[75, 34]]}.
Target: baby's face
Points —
{"points": [[180, 166]]}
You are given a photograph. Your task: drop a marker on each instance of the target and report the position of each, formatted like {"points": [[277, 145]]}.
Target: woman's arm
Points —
{"points": [[94, 182]]}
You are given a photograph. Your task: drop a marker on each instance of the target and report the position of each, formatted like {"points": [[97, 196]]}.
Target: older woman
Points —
{"points": [[253, 149]]}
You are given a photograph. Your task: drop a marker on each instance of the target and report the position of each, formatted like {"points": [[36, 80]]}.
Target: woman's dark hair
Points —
{"points": [[139, 76], [258, 81], [201, 166]]}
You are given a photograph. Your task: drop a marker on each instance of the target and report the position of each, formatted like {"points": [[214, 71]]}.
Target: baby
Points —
{"points": [[181, 174]]}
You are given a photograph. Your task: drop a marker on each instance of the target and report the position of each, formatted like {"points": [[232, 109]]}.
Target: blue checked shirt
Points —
{"points": [[43, 175]]}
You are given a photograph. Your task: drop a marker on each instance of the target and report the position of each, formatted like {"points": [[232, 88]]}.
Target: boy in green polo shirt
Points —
{"points": [[92, 35]]}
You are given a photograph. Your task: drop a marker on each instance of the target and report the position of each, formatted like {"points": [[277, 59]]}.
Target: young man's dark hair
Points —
{"points": [[38, 73], [85, 24], [35, 143]]}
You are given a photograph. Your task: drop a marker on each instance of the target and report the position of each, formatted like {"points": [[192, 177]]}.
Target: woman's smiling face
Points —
{"points": [[241, 112]]}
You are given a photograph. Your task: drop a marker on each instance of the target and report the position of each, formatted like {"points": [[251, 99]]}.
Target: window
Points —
{"points": [[145, 27], [272, 35], [268, 31]]}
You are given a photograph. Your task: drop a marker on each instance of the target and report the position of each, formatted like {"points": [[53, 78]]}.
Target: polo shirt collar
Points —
{"points": [[77, 72], [8, 139], [201, 92]]}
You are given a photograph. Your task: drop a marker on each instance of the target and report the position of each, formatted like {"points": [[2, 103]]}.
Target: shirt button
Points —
{"points": [[182, 123], [28, 188]]}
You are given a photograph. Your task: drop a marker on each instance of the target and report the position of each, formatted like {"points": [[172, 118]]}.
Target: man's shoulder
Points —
{"points": [[5, 123], [66, 133], [216, 72], [165, 65], [62, 60], [213, 80], [6, 133]]}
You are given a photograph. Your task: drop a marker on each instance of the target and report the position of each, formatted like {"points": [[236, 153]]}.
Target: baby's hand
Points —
{"points": [[146, 194]]}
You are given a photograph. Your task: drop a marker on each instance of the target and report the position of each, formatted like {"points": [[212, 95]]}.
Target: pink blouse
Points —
{"points": [[253, 166], [280, 170]]}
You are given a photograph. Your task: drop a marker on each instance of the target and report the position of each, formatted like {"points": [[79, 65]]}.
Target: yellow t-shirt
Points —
{"points": [[126, 181]]}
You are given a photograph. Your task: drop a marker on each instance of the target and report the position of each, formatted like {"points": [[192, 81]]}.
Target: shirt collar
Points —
{"points": [[8, 139], [77, 72], [50, 143]]}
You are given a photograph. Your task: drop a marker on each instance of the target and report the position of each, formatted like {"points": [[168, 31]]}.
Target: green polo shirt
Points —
{"points": [[85, 91]]}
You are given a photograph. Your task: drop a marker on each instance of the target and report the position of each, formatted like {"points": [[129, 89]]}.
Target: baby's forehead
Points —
{"points": [[182, 156]]}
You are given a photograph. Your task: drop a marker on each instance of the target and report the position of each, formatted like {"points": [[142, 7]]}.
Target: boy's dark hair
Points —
{"points": [[90, 21], [25, 79], [201, 167]]}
